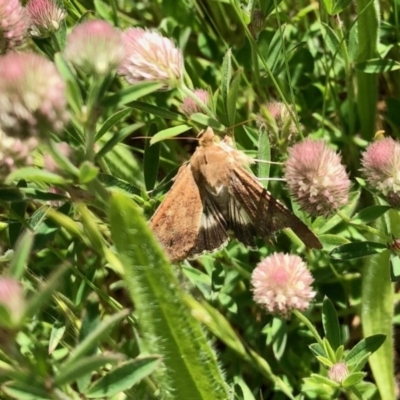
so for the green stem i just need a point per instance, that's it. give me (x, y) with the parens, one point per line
(310, 326)
(365, 228)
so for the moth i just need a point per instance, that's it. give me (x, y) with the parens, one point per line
(214, 195)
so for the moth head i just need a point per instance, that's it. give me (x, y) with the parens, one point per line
(207, 137)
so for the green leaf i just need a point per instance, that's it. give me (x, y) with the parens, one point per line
(328, 5)
(167, 326)
(340, 6)
(32, 174)
(369, 214)
(87, 172)
(84, 366)
(23, 391)
(151, 160)
(57, 333)
(92, 339)
(206, 120)
(45, 228)
(331, 39)
(74, 93)
(21, 256)
(324, 381)
(131, 93)
(112, 121)
(169, 133)
(113, 182)
(317, 350)
(155, 110)
(45, 291)
(331, 325)
(264, 154)
(357, 250)
(377, 66)
(366, 346)
(353, 379)
(232, 97)
(394, 267)
(17, 215)
(226, 76)
(123, 377)
(117, 138)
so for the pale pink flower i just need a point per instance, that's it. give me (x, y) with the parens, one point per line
(316, 177)
(13, 25)
(95, 47)
(381, 167)
(282, 283)
(189, 106)
(338, 372)
(32, 96)
(45, 16)
(12, 298)
(151, 57)
(14, 154)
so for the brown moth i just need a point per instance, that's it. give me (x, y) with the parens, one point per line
(215, 194)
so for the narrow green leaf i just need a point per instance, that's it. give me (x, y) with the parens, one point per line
(155, 110)
(340, 6)
(151, 160)
(112, 121)
(87, 172)
(331, 39)
(16, 217)
(84, 366)
(74, 93)
(353, 379)
(167, 326)
(377, 66)
(206, 120)
(32, 174)
(132, 93)
(169, 133)
(325, 381)
(331, 325)
(57, 333)
(93, 339)
(45, 291)
(264, 154)
(328, 5)
(118, 138)
(23, 391)
(123, 377)
(21, 256)
(112, 181)
(366, 346)
(226, 76)
(232, 97)
(394, 267)
(357, 250)
(317, 350)
(369, 214)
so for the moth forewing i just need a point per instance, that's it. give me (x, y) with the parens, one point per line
(215, 193)
(177, 220)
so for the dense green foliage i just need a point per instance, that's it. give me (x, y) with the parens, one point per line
(106, 314)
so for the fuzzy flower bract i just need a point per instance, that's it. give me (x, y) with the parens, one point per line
(282, 283)
(316, 178)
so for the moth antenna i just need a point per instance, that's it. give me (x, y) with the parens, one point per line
(272, 179)
(172, 138)
(268, 162)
